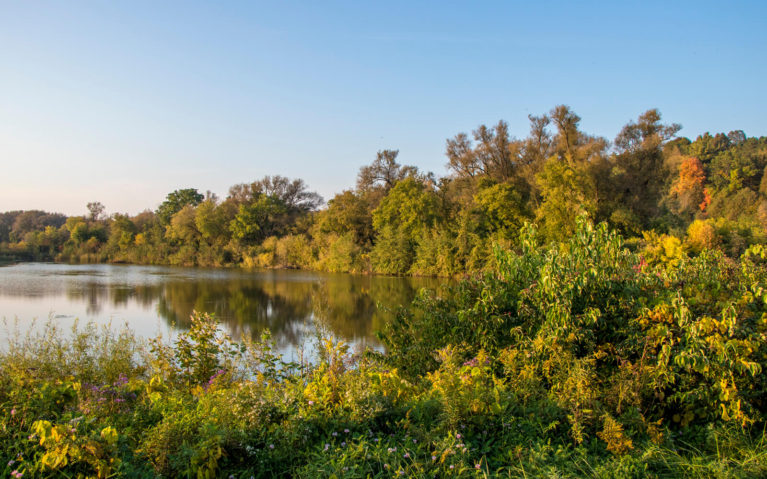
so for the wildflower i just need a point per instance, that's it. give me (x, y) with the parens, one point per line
(271, 446)
(452, 466)
(391, 449)
(406, 455)
(215, 375)
(327, 446)
(401, 472)
(311, 403)
(346, 431)
(386, 466)
(433, 458)
(476, 466)
(335, 434)
(11, 462)
(377, 439)
(458, 436)
(13, 412)
(415, 441)
(346, 469)
(16, 473)
(343, 443)
(231, 476)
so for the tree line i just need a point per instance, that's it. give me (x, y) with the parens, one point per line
(669, 196)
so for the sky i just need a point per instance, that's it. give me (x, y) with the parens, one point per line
(123, 102)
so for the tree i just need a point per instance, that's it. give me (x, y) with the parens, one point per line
(409, 206)
(688, 189)
(640, 169)
(212, 220)
(177, 200)
(647, 133)
(495, 155)
(258, 220)
(568, 192)
(182, 226)
(95, 210)
(348, 212)
(384, 172)
(502, 208)
(293, 194)
(402, 217)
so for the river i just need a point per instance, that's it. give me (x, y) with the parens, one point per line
(154, 300)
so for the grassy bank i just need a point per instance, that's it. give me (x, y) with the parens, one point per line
(576, 360)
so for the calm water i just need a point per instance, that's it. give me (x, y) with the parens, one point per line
(155, 299)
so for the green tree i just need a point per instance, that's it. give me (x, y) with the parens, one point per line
(258, 220)
(502, 208)
(212, 220)
(404, 214)
(348, 212)
(568, 192)
(183, 227)
(177, 200)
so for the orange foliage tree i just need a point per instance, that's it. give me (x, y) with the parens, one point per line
(688, 189)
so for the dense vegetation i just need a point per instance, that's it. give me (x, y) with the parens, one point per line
(578, 359)
(669, 196)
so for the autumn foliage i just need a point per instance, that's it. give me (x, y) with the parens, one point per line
(688, 189)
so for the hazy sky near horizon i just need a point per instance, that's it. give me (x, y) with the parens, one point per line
(123, 102)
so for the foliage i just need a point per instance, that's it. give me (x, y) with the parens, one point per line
(575, 359)
(175, 201)
(399, 220)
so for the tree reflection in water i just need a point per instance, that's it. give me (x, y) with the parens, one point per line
(291, 304)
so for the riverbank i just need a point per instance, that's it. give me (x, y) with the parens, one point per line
(576, 360)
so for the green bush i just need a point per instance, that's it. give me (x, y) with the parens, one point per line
(573, 360)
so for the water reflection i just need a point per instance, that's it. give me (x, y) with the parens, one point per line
(288, 303)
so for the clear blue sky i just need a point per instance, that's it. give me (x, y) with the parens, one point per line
(124, 101)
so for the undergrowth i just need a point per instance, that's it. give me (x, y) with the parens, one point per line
(576, 360)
